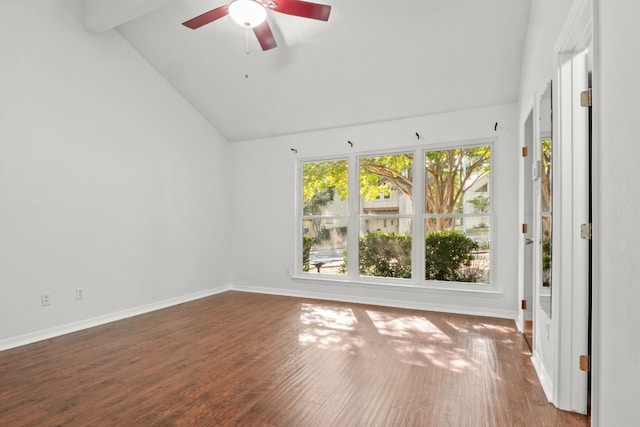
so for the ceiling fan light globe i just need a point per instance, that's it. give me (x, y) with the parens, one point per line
(248, 13)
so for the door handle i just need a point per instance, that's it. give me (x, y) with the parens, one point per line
(528, 241)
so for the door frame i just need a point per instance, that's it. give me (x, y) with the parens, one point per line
(571, 199)
(524, 202)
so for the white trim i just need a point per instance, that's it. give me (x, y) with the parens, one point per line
(397, 303)
(543, 376)
(596, 321)
(543, 324)
(297, 214)
(106, 318)
(353, 217)
(576, 32)
(523, 175)
(392, 282)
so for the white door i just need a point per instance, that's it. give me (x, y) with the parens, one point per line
(527, 240)
(573, 296)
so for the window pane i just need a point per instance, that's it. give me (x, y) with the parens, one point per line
(324, 246)
(546, 250)
(385, 253)
(386, 194)
(324, 188)
(459, 252)
(457, 181)
(386, 185)
(324, 220)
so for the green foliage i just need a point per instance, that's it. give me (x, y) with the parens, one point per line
(449, 255)
(448, 174)
(480, 203)
(379, 174)
(320, 177)
(314, 205)
(385, 254)
(447, 252)
(307, 244)
(546, 262)
(545, 149)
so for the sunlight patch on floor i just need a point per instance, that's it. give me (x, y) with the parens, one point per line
(328, 317)
(413, 338)
(406, 326)
(328, 327)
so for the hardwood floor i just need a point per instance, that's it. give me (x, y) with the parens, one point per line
(528, 333)
(258, 360)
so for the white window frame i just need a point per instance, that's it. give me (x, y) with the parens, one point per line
(419, 215)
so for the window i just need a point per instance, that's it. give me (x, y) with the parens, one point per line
(457, 214)
(546, 191)
(324, 216)
(384, 246)
(370, 209)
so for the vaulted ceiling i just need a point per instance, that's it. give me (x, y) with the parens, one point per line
(372, 61)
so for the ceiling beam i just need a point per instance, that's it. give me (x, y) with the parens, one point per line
(104, 15)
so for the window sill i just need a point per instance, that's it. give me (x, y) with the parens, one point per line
(483, 290)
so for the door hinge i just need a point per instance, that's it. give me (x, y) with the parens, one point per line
(586, 99)
(585, 231)
(525, 151)
(523, 304)
(525, 228)
(585, 363)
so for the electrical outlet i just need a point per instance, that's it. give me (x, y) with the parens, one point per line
(79, 293)
(45, 299)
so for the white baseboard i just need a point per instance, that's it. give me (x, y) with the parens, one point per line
(413, 305)
(520, 321)
(106, 318)
(545, 380)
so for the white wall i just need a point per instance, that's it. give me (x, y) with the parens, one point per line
(264, 207)
(617, 294)
(108, 179)
(545, 23)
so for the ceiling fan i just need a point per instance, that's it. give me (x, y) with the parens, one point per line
(253, 13)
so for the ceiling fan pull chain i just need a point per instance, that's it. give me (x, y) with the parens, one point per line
(246, 51)
(246, 40)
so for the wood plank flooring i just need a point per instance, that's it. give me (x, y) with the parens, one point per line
(241, 359)
(528, 333)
